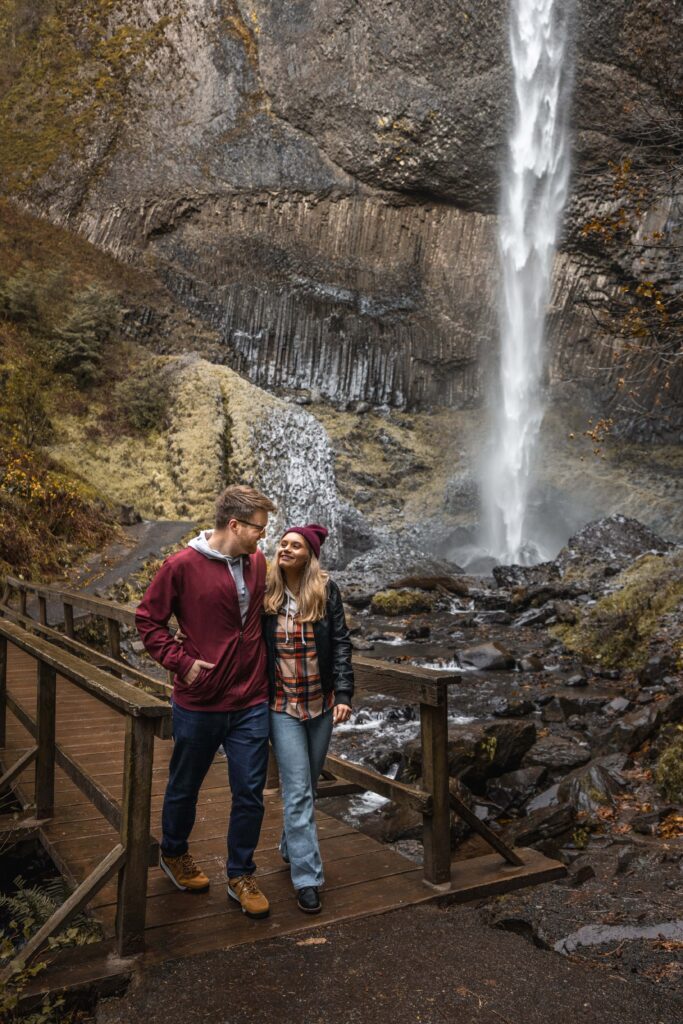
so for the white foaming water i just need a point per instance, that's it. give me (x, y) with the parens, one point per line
(533, 196)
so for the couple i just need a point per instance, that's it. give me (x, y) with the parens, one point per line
(261, 655)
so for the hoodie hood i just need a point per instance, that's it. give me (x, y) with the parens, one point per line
(200, 543)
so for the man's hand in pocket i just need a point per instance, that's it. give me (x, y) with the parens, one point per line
(195, 670)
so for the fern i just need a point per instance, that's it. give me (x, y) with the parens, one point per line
(31, 906)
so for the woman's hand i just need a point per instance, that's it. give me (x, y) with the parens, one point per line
(178, 636)
(340, 713)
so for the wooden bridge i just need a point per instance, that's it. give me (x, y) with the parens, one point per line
(85, 750)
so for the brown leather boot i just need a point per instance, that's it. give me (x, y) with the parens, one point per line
(247, 893)
(184, 873)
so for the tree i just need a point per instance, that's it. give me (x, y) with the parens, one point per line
(80, 339)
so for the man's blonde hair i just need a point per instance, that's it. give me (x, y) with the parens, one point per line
(239, 502)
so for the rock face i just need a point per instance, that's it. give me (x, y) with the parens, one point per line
(319, 181)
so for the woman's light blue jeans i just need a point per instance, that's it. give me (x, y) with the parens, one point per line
(300, 748)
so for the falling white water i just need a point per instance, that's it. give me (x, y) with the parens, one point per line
(533, 196)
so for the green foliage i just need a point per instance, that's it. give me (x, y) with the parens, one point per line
(26, 911)
(80, 338)
(22, 405)
(669, 774)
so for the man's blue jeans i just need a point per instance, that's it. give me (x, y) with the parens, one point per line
(300, 748)
(197, 736)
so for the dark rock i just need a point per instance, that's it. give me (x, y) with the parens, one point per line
(382, 758)
(581, 871)
(512, 790)
(617, 706)
(607, 673)
(126, 515)
(592, 786)
(497, 617)
(450, 584)
(581, 705)
(557, 753)
(530, 663)
(487, 657)
(418, 631)
(576, 680)
(359, 644)
(647, 823)
(625, 859)
(548, 798)
(615, 541)
(358, 598)
(502, 707)
(628, 732)
(552, 712)
(477, 751)
(541, 825)
(536, 596)
(533, 617)
(510, 576)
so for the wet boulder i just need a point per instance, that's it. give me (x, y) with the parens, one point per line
(488, 657)
(478, 751)
(512, 790)
(594, 785)
(544, 828)
(629, 731)
(441, 584)
(582, 705)
(506, 707)
(511, 576)
(557, 753)
(418, 631)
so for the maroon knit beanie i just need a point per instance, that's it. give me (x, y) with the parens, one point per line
(313, 533)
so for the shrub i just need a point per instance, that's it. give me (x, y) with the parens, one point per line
(669, 773)
(401, 602)
(82, 334)
(23, 406)
(141, 401)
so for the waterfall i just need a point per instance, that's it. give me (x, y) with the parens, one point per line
(533, 195)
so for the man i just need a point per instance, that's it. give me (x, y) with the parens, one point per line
(215, 589)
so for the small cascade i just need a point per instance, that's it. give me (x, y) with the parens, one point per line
(533, 196)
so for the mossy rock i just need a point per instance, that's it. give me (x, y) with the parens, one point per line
(669, 774)
(619, 629)
(402, 602)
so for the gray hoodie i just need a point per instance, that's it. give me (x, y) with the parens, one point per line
(200, 543)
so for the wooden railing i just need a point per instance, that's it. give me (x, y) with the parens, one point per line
(435, 798)
(146, 717)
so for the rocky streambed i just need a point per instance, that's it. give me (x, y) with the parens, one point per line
(564, 730)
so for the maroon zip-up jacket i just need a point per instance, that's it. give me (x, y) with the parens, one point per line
(201, 593)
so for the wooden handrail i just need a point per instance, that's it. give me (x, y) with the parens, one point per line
(145, 716)
(117, 694)
(95, 605)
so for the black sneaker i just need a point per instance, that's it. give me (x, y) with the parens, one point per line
(308, 900)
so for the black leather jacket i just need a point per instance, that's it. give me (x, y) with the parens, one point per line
(332, 644)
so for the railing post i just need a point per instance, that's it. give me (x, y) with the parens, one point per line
(131, 904)
(437, 825)
(114, 636)
(22, 601)
(69, 620)
(45, 741)
(42, 610)
(3, 691)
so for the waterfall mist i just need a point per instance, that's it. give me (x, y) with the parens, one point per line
(534, 190)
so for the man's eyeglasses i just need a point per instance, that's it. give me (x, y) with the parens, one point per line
(255, 526)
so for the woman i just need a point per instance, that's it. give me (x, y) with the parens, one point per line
(311, 686)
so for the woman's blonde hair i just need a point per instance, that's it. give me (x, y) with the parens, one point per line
(311, 600)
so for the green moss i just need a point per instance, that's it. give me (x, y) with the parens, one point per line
(669, 772)
(401, 602)
(617, 630)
